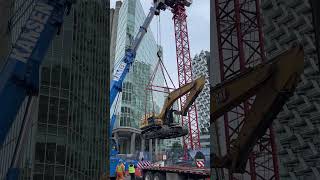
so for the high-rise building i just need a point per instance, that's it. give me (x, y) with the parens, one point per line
(114, 16)
(200, 66)
(134, 101)
(4, 36)
(69, 122)
(297, 125)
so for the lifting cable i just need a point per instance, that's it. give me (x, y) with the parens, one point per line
(156, 68)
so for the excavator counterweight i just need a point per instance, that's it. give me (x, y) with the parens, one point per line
(272, 84)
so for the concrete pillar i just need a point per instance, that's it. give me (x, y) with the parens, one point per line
(116, 137)
(156, 150)
(127, 144)
(143, 144)
(133, 143)
(150, 148)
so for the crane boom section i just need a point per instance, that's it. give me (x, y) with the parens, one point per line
(271, 84)
(19, 77)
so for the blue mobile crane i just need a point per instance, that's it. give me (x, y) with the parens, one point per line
(121, 72)
(19, 78)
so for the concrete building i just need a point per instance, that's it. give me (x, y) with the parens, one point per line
(114, 16)
(67, 136)
(200, 68)
(205, 140)
(297, 126)
(134, 101)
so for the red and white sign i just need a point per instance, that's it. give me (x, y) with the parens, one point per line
(200, 163)
(164, 157)
(143, 164)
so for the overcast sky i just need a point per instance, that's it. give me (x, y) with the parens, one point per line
(198, 28)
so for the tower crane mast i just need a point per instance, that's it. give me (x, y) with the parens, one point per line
(192, 140)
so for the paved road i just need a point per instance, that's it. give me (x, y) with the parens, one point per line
(128, 178)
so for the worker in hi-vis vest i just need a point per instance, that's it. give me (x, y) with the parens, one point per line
(120, 171)
(132, 171)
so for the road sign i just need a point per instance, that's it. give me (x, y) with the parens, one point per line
(200, 163)
(164, 157)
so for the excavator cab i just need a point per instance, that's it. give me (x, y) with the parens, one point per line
(170, 119)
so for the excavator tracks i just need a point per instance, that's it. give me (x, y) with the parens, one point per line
(166, 132)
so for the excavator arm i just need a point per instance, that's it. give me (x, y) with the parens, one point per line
(271, 84)
(194, 87)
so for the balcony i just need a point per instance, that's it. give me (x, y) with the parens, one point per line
(298, 123)
(265, 5)
(306, 107)
(304, 86)
(294, 100)
(316, 172)
(290, 36)
(283, 115)
(314, 94)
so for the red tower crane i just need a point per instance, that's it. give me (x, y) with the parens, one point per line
(192, 140)
(240, 45)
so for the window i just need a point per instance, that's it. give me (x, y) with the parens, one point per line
(43, 109)
(61, 154)
(39, 154)
(53, 113)
(63, 112)
(65, 74)
(55, 78)
(49, 172)
(50, 153)
(45, 76)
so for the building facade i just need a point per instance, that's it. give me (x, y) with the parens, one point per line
(114, 16)
(200, 66)
(67, 138)
(297, 125)
(134, 101)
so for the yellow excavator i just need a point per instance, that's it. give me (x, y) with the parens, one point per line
(162, 125)
(272, 83)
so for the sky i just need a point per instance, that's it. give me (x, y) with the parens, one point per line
(198, 27)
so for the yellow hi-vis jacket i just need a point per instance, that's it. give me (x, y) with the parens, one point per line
(131, 169)
(120, 168)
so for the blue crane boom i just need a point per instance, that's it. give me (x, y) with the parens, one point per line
(127, 60)
(19, 78)
(121, 73)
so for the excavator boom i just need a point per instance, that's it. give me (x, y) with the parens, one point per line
(271, 84)
(194, 87)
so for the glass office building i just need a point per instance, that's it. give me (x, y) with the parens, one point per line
(69, 123)
(134, 101)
